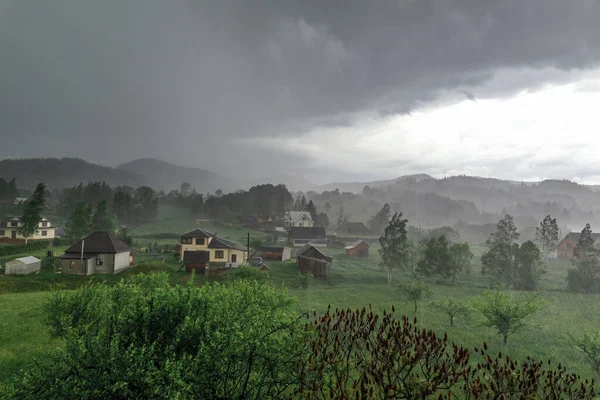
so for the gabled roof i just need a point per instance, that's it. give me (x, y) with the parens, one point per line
(315, 232)
(220, 243)
(574, 236)
(196, 257)
(27, 260)
(298, 215)
(355, 244)
(197, 233)
(354, 225)
(4, 222)
(99, 242)
(309, 246)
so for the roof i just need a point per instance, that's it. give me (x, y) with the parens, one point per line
(198, 233)
(354, 225)
(196, 257)
(297, 215)
(307, 247)
(4, 222)
(27, 260)
(574, 236)
(355, 244)
(220, 243)
(99, 242)
(315, 232)
(272, 249)
(75, 256)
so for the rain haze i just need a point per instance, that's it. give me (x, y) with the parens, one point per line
(326, 90)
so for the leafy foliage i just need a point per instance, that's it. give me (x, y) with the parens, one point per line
(415, 292)
(379, 221)
(451, 307)
(33, 212)
(589, 345)
(303, 281)
(395, 245)
(79, 224)
(505, 313)
(101, 220)
(143, 338)
(585, 274)
(547, 235)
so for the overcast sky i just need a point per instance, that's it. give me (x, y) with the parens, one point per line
(330, 90)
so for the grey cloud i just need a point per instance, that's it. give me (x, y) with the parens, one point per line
(113, 80)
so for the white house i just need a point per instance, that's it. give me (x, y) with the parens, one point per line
(299, 219)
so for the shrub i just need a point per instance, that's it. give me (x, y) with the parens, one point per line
(23, 248)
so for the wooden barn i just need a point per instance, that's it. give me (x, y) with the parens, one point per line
(358, 249)
(311, 260)
(299, 236)
(275, 253)
(354, 228)
(196, 260)
(564, 250)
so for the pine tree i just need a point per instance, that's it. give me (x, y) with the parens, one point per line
(33, 212)
(102, 221)
(312, 209)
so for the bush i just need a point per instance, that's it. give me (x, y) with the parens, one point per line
(23, 248)
(144, 339)
(303, 281)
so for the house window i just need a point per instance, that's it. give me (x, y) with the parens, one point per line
(44, 224)
(14, 224)
(200, 241)
(99, 262)
(44, 233)
(73, 264)
(2, 233)
(186, 241)
(219, 254)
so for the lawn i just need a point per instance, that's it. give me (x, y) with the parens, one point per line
(353, 283)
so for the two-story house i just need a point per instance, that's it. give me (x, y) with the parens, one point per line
(299, 219)
(9, 231)
(214, 251)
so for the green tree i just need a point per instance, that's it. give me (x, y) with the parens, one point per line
(185, 189)
(303, 281)
(507, 313)
(529, 266)
(312, 209)
(79, 223)
(585, 274)
(589, 345)
(322, 220)
(547, 235)
(414, 292)
(499, 260)
(395, 246)
(33, 212)
(125, 236)
(378, 222)
(12, 190)
(435, 257)
(101, 220)
(460, 259)
(451, 307)
(3, 189)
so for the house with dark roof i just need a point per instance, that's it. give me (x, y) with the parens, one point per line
(299, 236)
(357, 249)
(98, 253)
(353, 228)
(9, 231)
(564, 250)
(311, 260)
(219, 252)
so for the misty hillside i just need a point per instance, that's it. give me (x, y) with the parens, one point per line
(58, 173)
(163, 175)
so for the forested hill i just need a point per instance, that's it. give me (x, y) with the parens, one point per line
(166, 176)
(58, 173)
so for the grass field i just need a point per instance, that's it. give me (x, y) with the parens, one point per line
(353, 283)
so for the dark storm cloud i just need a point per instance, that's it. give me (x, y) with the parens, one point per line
(114, 80)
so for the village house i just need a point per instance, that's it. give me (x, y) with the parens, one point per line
(564, 250)
(358, 249)
(310, 260)
(353, 228)
(217, 252)
(98, 253)
(299, 236)
(9, 231)
(301, 219)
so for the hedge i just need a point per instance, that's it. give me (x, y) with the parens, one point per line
(23, 248)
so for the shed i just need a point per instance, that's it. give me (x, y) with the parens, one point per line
(100, 252)
(23, 266)
(275, 253)
(310, 259)
(358, 249)
(196, 260)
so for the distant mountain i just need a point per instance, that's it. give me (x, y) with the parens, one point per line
(58, 173)
(163, 175)
(357, 187)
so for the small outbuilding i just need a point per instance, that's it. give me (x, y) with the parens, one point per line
(196, 260)
(358, 249)
(23, 266)
(354, 228)
(311, 260)
(275, 253)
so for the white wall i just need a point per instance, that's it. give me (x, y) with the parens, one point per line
(121, 261)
